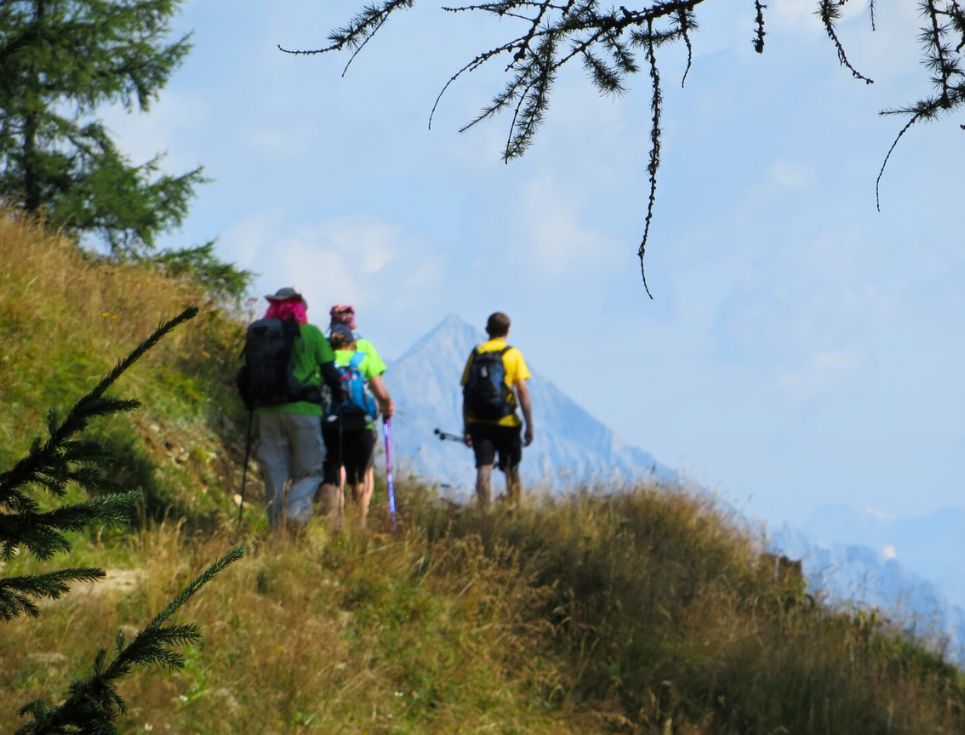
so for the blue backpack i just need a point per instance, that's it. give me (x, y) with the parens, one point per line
(360, 408)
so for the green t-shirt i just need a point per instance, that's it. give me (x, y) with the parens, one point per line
(311, 350)
(376, 364)
(370, 367)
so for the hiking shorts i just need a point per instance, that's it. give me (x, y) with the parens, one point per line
(488, 440)
(357, 453)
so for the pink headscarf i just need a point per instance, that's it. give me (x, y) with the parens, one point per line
(288, 309)
(343, 314)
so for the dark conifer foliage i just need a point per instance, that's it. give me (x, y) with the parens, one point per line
(52, 465)
(607, 39)
(94, 703)
(59, 61)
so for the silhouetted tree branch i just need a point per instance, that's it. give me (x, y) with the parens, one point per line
(94, 703)
(606, 40)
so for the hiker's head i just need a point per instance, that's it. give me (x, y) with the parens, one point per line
(343, 314)
(341, 337)
(497, 325)
(287, 303)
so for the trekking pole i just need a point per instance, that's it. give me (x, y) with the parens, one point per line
(446, 436)
(389, 484)
(244, 470)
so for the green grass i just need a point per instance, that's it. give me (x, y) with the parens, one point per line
(644, 611)
(66, 319)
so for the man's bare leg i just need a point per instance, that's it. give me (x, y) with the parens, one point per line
(484, 486)
(333, 503)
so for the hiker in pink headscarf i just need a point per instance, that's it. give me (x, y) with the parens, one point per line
(292, 308)
(286, 360)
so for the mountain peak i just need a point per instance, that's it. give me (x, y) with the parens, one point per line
(452, 335)
(572, 448)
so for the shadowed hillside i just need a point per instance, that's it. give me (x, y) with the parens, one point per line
(66, 318)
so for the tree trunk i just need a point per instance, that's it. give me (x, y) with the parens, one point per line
(31, 184)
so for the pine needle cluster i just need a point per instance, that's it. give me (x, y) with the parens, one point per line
(607, 41)
(54, 465)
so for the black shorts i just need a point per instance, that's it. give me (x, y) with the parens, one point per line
(356, 453)
(488, 440)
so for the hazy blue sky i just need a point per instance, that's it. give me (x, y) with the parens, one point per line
(802, 348)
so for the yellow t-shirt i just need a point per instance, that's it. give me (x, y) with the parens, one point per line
(516, 370)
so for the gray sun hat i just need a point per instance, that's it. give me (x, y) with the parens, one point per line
(341, 334)
(285, 294)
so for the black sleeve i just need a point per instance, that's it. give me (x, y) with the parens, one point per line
(244, 388)
(333, 379)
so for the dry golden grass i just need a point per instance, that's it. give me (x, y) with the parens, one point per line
(346, 634)
(66, 318)
(645, 611)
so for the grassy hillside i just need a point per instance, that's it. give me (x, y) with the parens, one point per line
(648, 611)
(65, 320)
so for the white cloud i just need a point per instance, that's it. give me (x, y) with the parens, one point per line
(425, 275)
(789, 174)
(339, 261)
(165, 129)
(556, 240)
(288, 142)
(823, 372)
(877, 514)
(247, 238)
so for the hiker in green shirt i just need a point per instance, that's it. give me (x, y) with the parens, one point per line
(348, 426)
(345, 314)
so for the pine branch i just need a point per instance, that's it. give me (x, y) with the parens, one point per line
(94, 703)
(555, 33)
(44, 464)
(830, 12)
(656, 101)
(16, 592)
(358, 32)
(42, 533)
(759, 26)
(687, 25)
(53, 465)
(949, 79)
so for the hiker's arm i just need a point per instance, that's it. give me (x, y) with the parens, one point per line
(381, 394)
(332, 379)
(465, 424)
(522, 393)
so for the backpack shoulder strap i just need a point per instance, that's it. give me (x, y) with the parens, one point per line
(357, 359)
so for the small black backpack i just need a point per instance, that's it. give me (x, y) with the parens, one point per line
(485, 393)
(267, 377)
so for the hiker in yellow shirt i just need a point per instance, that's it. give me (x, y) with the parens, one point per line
(494, 385)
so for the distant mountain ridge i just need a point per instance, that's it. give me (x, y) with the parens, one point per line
(932, 544)
(859, 575)
(571, 448)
